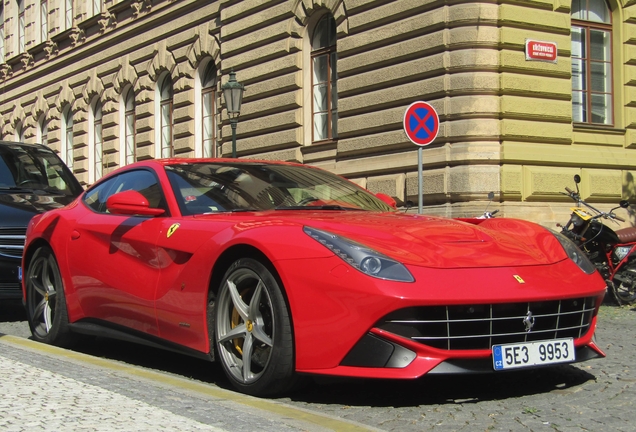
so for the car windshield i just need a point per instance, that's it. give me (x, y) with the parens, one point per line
(24, 167)
(220, 187)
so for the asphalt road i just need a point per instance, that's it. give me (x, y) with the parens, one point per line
(591, 396)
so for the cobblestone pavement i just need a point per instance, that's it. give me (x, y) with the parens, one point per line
(43, 389)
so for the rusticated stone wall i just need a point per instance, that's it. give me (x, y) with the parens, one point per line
(506, 123)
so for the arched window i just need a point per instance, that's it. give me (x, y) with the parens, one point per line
(96, 142)
(21, 25)
(592, 86)
(205, 115)
(19, 132)
(67, 136)
(128, 129)
(165, 117)
(324, 80)
(43, 131)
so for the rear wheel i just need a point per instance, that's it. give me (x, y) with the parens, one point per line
(254, 338)
(45, 300)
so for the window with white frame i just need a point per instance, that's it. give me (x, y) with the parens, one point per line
(21, 25)
(43, 131)
(67, 17)
(97, 142)
(19, 132)
(165, 116)
(592, 87)
(67, 136)
(2, 60)
(98, 6)
(44, 20)
(128, 130)
(324, 80)
(207, 117)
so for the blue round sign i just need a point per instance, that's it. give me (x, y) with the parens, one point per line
(421, 123)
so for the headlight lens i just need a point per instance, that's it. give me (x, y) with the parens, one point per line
(361, 257)
(575, 253)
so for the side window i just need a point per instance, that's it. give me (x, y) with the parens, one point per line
(142, 181)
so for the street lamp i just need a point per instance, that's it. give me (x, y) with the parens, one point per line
(233, 94)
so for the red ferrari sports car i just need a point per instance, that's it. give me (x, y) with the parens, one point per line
(278, 270)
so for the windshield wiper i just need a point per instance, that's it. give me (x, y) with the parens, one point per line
(321, 207)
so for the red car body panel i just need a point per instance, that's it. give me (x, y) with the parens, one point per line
(152, 275)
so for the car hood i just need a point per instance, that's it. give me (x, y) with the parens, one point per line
(441, 242)
(17, 208)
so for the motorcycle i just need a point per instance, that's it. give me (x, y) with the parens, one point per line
(487, 214)
(612, 252)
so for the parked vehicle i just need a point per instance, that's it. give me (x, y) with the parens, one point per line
(278, 269)
(33, 179)
(486, 214)
(613, 252)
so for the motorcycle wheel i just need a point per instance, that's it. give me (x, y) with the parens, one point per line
(624, 294)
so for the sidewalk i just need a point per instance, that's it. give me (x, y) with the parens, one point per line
(48, 388)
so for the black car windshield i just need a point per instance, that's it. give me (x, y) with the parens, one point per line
(28, 167)
(209, 187)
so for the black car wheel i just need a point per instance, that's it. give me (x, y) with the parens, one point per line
(254, 339)
(45, 301)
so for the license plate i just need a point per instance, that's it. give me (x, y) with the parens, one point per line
(528, 354)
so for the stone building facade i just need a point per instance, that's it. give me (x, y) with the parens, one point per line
(328, 82)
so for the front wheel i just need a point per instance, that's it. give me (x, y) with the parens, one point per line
(624, 292)
(254, 338)
(45, 300)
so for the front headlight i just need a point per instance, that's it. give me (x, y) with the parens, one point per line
(574, 253)
(361, 257)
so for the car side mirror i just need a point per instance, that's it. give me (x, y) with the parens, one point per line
(131, 203)
(386, 199)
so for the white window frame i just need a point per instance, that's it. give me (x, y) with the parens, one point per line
(95, 141)
(199, 117)
(124, 133)
(42, 134)
(161, 149)
(66, 147)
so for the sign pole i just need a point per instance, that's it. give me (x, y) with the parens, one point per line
(420, 181)
(421, 125)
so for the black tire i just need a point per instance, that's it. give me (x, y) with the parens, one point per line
(45, 300)
(251, 319)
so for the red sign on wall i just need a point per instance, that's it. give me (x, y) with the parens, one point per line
(541, 51)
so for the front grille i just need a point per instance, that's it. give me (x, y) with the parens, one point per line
(12, 241)
(481, 326)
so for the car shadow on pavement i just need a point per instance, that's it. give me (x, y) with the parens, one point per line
(439, 389)
(442, 389)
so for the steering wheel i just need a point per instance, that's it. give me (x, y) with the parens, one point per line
(23, 182)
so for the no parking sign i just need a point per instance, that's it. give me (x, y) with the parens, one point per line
(421, 123)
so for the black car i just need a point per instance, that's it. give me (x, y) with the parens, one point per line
(33, 179)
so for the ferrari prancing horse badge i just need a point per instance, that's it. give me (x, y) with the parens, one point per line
(172, 229)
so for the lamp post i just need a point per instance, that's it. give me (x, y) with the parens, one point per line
(233, 94)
